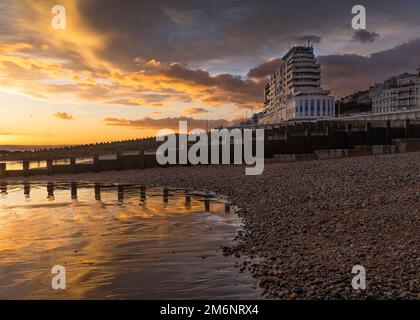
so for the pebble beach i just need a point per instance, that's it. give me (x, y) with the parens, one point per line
(306, 224)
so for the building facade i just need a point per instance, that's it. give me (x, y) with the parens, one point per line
(398, 93)
(294, 91)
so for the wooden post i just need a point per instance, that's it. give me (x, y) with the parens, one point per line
(141, 158)
(368, 131)
(27, 190)
(119, 160)
(187, 199)
(50, 169)
(25, 165)
(2, 170)
(120, 190)
(97, 192)
(143, 194)
(50, 189)
(349, 129)
(96, 166)
(206, 204)
(165, 195)
(73, 166)
(388, 131)
(407, 129)
(73, 190)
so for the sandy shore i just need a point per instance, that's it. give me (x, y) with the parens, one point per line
(307, 224)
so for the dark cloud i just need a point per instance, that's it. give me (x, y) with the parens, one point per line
(165, 123)
(365, 36)
(350, 72)
(221, 88)
(198, 31)
(264, 69)
(197, 76)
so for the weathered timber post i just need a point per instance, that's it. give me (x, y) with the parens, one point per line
(73, 167)
(96, 165)
(97, 191)
(27, 190)
(165, 195)
(368, 131)
(206, 204)
(407, 129)
(119, 159)
(50, 190)
(388, 131)
(73, 190)
(141, 158)
(120, 190)
(50, 169)
(143, 193)
(2, 170)
(349, 129)
(25, 165)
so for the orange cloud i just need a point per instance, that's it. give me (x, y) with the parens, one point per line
(63, 116)
(194, 110)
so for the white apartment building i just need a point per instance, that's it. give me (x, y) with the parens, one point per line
(294, 91)
(397, 93)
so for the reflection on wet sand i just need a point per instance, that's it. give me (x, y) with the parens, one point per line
(112, 247)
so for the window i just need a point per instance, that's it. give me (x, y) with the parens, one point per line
(306, 108)
(318, 107)
(312, 108)
(324, 108)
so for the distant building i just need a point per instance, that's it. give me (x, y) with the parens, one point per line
(294, 91)
(360, 101)
(397, 93)
(359, 97)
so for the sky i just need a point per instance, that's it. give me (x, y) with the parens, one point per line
(125, 69)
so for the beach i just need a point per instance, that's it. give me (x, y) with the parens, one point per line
(307, 224)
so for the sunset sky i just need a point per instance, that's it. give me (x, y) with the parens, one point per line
(124, 69)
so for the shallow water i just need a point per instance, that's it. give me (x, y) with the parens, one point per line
(122, 242)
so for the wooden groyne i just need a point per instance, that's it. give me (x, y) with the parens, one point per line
(121, 162)
(298, 141)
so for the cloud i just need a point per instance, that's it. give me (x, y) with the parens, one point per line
(160, 54)
(187, 31)
(347, 73)
(194, 110)
(63, 116)
(183, 18)
(165, 123)
(264, 69)
(365, 36)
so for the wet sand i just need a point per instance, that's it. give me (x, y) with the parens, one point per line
(122, 242)
(307, 224)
